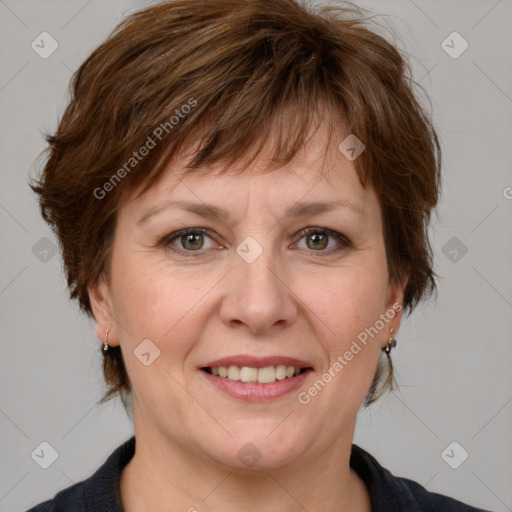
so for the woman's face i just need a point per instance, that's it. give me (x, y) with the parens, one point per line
(248, 288)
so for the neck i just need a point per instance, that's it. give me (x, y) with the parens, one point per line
(163, 472)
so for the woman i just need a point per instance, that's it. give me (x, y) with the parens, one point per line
(242, 192)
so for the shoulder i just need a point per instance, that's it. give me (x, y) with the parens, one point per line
(70, 499)
(98, 492)
(390, 493)
(434, 502)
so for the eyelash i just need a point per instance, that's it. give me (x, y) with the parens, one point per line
(167, 240)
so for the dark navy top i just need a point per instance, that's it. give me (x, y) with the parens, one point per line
(388, 493)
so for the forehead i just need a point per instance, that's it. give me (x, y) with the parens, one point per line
(319, 172)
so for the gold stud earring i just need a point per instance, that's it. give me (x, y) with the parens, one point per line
(105, 344)
(391, 342)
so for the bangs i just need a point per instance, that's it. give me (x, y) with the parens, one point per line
(232, 123)
(280, 136)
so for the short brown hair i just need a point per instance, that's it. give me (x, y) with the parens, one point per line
(238, 64)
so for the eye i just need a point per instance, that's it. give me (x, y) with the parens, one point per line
(190, 240)
(317, 239)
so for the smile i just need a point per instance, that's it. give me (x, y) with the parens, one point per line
(256, 378)
(265, 375)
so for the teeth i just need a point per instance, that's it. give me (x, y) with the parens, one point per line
(234, 373)
(281, 372)
(248, 374)
(261, 375)
(266, 375)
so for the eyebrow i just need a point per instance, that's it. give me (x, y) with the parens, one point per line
(210, 211)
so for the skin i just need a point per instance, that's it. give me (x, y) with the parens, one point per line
(296, 299)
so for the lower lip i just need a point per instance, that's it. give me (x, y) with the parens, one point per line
(255, 392)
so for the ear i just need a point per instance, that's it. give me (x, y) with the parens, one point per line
(395, 302)
(101, 305)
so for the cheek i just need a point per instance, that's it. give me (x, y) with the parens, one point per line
(153, 301)
(166, 308)
(347, 301)
(346, 309)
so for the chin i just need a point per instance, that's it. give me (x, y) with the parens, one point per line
(259, 448)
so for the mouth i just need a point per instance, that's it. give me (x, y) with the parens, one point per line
(251, 374)
(256, 379)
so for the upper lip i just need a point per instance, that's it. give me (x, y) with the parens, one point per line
(257, 362)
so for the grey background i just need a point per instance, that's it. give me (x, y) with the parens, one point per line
(453, 357)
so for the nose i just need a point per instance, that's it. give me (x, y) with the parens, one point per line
(258, 296)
